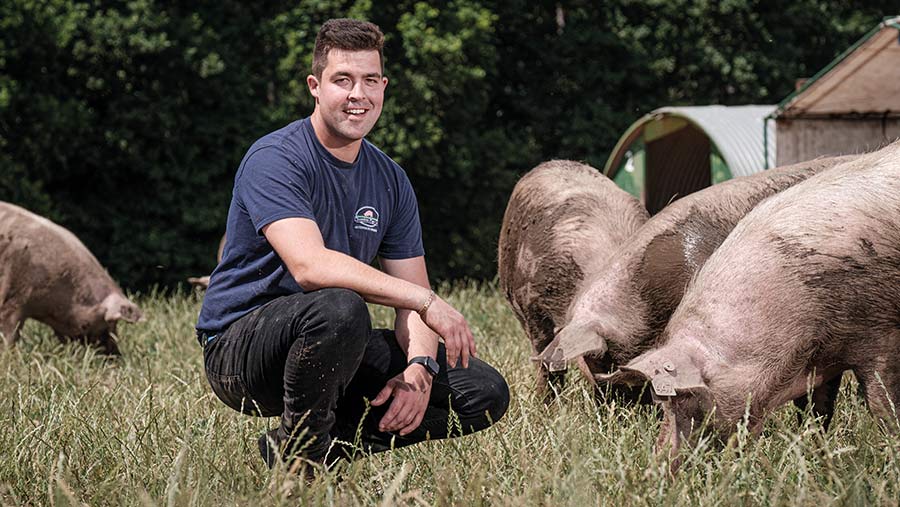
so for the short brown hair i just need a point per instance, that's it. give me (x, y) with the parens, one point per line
(348, 35)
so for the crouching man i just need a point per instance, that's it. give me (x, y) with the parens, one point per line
(284, 325)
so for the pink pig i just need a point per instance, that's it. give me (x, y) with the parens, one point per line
(622, 309)
(47, 274)
(806, 287)
(564, 219)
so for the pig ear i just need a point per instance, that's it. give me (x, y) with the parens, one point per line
(623, 376)
(670, 373)
(571, 342)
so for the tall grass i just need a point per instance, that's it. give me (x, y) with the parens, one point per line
(146, 430)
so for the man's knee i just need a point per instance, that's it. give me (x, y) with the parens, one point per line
(497, 394)
(344, 312)
(490, 399)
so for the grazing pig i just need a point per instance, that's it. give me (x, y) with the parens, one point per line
(47, 274)
(563, 220)
(624, 307)
(805, 287)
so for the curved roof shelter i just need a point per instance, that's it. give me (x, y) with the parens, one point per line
(674, 151)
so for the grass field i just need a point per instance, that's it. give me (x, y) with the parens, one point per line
(146, 430)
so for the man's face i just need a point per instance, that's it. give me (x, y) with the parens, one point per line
(349, 95)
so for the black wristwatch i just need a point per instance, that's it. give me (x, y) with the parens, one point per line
(431, 366)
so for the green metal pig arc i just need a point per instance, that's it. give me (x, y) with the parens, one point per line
(674, 151)
(851, 106)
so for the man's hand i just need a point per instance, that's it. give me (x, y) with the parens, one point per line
(453, 328)
(440, 317)
(411, 390)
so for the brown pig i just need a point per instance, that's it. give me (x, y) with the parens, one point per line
(47, 274)
(623, 308)
(563, 219)
(805, 287)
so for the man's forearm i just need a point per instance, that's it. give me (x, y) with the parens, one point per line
(373, 285)
(415, 338)
(299, 243)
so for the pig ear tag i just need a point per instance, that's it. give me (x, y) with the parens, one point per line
(663, 383)
(665, 379)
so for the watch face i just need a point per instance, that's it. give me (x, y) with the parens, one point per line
(430, 364)
(433, 366)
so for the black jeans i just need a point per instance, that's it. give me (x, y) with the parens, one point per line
(314, 359)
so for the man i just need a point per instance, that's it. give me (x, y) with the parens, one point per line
(284, 325)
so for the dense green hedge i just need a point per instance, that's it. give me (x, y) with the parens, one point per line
(125, 120)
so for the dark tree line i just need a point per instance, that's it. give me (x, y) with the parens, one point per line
(125, 121)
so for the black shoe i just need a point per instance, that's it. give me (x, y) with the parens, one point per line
(266, 449)
(269, 455)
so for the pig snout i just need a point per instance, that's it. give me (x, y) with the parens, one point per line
(200, 282)
(117, 307)
(131, 313)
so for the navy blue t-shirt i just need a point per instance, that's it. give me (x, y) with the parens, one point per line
(363, 209)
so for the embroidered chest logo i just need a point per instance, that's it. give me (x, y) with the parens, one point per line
(366, 219)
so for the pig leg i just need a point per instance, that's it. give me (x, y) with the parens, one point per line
(11, 318)
(881, 388)
(823, 400)
(548, 382)
(104, 343)
(10, 323)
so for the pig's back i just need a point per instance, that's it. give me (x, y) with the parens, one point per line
(818, 259)
(695, 225)
(665, 254)
(850, 211)
(42, 253)
(563, 218)
(567, 206)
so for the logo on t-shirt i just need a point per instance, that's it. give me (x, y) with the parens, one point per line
(366, 219)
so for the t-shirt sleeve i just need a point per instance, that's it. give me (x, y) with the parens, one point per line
(403, 239)
(271, 187)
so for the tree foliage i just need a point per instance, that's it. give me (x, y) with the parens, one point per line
(125, 120)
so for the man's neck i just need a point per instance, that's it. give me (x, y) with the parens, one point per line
(343, 150)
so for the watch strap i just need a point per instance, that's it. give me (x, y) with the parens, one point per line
(431, 366)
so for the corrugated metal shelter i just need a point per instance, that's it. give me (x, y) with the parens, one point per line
(674, 151)
(850, 106)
